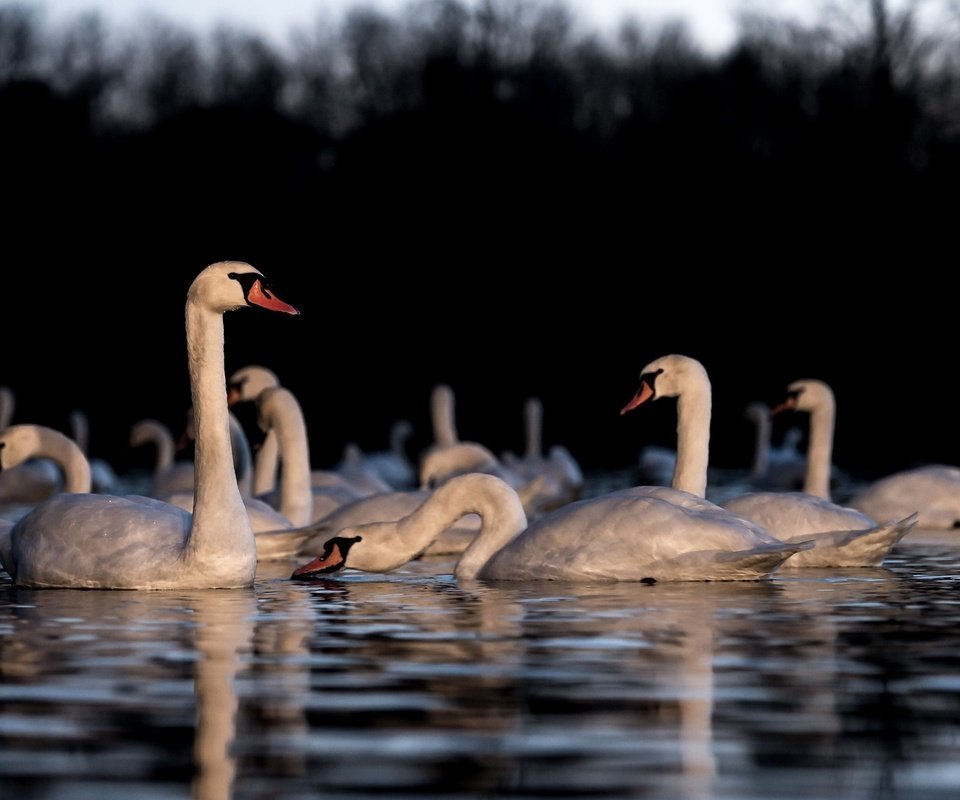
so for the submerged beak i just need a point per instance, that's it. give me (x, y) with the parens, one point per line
(334, 558)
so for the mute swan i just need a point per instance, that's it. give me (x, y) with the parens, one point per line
(98, 541)
(650, 533)
(858, 540)
(933, 491)
(244, 386)
(393, 465)
(249, 384)
(168, 476)
(772, 467)
(558, 466)
(19, 443)
(102, 474)
(32, 481)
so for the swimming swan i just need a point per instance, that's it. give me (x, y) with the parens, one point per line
(98, 541)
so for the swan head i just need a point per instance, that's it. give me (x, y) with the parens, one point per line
(806, 395)
(228, 285)
(667, 376)
(18, 443)
(247, 383)
(333, 558)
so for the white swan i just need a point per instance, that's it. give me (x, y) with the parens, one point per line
(168, 476)
(244, 386)
(392, 465)
(98, 541)
(103, 476)
(650, 533)
(773, 467)
(249, 384)
(559, 466)
(20, 443)
(857, 539)
(32, 481)
(932, 491)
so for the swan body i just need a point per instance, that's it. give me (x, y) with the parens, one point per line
(642, 534)
(99, 541)
(665, 536)
(393, 465)
(932, 490)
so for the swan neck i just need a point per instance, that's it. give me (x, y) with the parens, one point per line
(501, 514)
(693, 439)
(761, 449)
(820, 449)
(166, 448)
(442, 417)
(220, 524)
(266, 465)
(68, 455)
(534, 430)
(282, 414)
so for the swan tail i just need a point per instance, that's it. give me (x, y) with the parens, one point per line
(854, 548)
(757, 562)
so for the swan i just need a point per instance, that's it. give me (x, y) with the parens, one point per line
(22, 442)
(559, 465)
(392, 465)
(98, 541)
(650, 533)
(858, 539)
(932, 491)
(244, 386)
(249, 384)
(32, 481)
(772, 467)
(102, 474)
(168, 476)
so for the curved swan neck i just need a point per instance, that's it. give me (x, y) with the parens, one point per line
(280, 412)
(67, 453)
(266, 464)
(693, 438)
(820, 448)
(80, 427)
(166, 448)
(242, 457)
(220, 523)
(501, 513)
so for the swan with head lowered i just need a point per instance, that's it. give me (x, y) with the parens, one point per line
(650, 533)
(857, 539)
(98, 541)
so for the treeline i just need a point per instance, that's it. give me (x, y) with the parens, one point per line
(479, 154)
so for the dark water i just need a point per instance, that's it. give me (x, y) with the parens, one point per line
(842, 684)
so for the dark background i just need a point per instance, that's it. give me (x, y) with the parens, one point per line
(506, 204)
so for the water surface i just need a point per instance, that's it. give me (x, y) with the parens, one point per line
(817, 684)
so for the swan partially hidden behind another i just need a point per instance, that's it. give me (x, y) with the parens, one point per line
(649, 534)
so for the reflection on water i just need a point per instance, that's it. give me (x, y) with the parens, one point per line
(839, 684)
